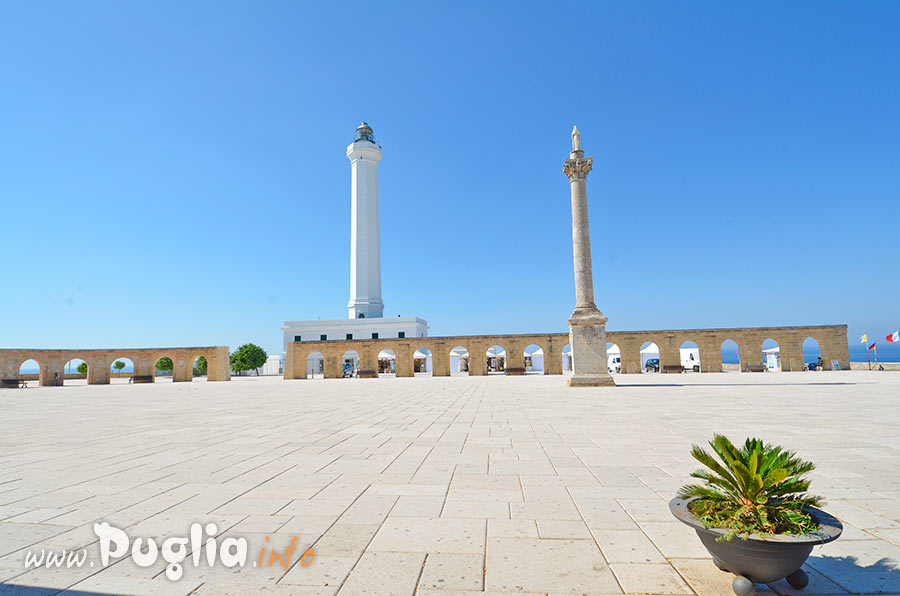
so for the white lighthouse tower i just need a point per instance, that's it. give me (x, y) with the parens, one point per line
(365, 244)
(366, 318)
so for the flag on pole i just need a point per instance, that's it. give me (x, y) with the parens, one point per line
(864, 338)
(894, 337)
(872, 347)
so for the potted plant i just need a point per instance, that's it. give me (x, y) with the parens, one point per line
(753, 514)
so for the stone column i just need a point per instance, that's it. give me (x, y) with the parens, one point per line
(218, 364)
(553, 357)
(404, 354)
(52, 372)
(183, 371)
(288, 362)
(440, 359)
(477, 358)
(587, 325)
(98, 371)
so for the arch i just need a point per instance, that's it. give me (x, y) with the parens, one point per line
(199, 367)
(29, 371)
(164, 368)
(350, 364)
(496, 359)
(459, 361)
(123, 373)
(534, 359)
(690, 356)
(423, 362)
(650, 355)
(812, 352)
(613, 357)
(75, 372)
(567, 363)
(387, 363)
(315, 365)
(771, 354)
(731, 355)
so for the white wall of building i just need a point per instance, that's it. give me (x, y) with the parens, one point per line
(337, 329)
(273, 366)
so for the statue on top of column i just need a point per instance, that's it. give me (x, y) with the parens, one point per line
(576, 139)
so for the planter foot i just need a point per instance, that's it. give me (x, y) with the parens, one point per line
(798, 579)
(743, 586)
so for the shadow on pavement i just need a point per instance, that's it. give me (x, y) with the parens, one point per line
(881, 577)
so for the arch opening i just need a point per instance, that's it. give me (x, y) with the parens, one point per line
(121, 370)
(423, 362)
(812, 354)
(567, 363)
(75, 372)
(30, 373)
(771, 355)
(496, 360)
(315, 365)
(350, 364)
(534, 359)
(613, 358)
(164, 369)
(199, 368)
(731, 356)
(387, 363)
(459, 361)
(690, 356)
(649, 357)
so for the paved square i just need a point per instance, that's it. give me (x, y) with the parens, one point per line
(433, 486)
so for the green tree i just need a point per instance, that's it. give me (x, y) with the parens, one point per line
(201, 366)
(82, 368)
(248, 357)
(118, 365)
(165, 363)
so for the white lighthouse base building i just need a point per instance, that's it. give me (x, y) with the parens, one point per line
(342, 329)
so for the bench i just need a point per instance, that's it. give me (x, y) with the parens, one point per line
(757, 368)
(672, 368)
(13, 383)
(141, 379)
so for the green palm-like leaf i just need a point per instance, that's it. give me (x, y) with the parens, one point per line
(755, 488)
(710, 462)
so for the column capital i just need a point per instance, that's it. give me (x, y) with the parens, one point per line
(577, 168)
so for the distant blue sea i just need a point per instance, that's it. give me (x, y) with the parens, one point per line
(886, 353)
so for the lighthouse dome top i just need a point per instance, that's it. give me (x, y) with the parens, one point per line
(364, 133)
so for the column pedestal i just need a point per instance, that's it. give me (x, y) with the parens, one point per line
(587, 336)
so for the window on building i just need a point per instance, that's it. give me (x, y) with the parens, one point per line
(349, 336)
(323, 337)
(296, 338)
(402, 334)
(374, 336)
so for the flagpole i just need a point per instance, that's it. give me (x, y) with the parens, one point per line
(868, 361)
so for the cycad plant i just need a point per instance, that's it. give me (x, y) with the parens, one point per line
(758, 488)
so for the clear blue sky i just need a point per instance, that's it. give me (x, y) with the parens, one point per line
(174, 173)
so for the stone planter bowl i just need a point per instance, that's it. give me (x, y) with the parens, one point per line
(756, 558)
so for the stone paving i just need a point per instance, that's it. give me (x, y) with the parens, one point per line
(437, 486)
